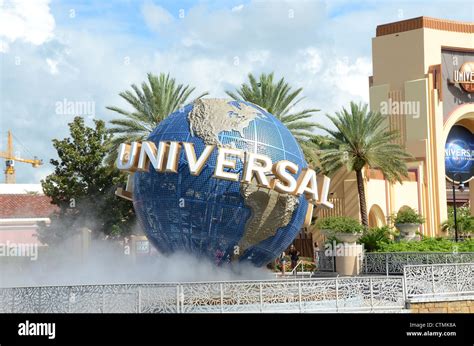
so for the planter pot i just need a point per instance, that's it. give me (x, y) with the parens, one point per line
(407, 230)
(342, 237)
(348, 263)
(350, 238)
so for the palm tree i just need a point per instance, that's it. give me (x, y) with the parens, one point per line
(151, 104)
(362, 140)
(278, 98)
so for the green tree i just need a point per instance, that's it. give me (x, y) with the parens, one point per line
(151, 103)
(83, 187)
(362, 139)
(279, 98)
(464, 220)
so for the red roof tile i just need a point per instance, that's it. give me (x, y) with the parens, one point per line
(23, 206)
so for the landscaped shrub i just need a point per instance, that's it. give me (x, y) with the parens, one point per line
(427, 245)
(373, 238)
(340, 224)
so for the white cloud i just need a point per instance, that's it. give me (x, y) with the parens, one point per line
(258, 56)
(30, 21)
(192, 40)
(53, 65)
(206, 73)
(311, 61)
(156, 17)
(351, 78)
(3, 46)
(237, 8)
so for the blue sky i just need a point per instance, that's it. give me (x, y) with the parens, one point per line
(89, 51)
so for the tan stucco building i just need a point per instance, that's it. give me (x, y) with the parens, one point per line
(415, 62)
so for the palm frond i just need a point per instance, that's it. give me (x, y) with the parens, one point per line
(153, 101)
(361, 139)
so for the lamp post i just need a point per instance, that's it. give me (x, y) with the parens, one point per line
(461, 188)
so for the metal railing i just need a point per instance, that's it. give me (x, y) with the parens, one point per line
(295, 269)
(339, 294)
(308, 295)
(293, 272)
(326, 263)
(393, 262)
(439, 280)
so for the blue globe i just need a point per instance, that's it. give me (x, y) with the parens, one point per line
(219, 219)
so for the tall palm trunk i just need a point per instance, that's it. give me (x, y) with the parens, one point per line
(362, 203)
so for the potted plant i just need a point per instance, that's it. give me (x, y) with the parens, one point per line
(407, 221)
(348, 231)
(345, 229)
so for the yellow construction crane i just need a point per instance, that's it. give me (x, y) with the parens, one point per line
(10, 161)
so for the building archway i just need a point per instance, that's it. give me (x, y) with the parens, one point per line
(376, 216)
(463, 115)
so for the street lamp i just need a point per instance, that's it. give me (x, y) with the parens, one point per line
(461, 188)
